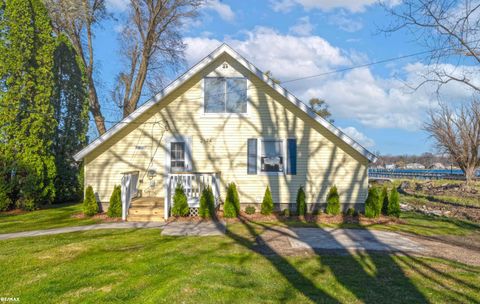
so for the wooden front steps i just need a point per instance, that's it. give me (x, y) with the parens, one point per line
(146, 209)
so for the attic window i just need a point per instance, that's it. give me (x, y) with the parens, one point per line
(225, 95)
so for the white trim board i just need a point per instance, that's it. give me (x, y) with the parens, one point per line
(224, 48)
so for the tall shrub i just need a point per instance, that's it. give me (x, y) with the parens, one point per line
(180, 202)
(207, 204)
(301, 204)
(27, 121)
(5, 201)
(267, 203)
(232, 202)
(333, 201)
(394, 203)
(90, 206)
(384, 201)
(70, 108)
(115, 206)
(373, 204)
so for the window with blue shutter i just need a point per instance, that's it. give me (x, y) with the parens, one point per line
(252, 156)
(292, 156)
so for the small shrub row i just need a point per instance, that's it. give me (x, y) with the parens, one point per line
(180, 202)
(382, 203)
(207, 204)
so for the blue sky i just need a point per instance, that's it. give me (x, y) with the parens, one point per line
(295, 38)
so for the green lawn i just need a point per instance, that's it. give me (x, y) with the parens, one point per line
(55, 216)
(411, 222)
(140, 266)
(421, 198)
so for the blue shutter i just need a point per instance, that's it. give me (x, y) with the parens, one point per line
(252, 156)
(292, 156)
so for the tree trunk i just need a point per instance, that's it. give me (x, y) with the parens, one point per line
(95, 107)
(469, 174)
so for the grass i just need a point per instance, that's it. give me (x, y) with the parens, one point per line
(55, 216)
(140, 266)
(420, 197)
(411, 222)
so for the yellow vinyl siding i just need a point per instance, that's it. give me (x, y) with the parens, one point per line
(219, 143)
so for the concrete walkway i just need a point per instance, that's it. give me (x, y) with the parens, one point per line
(118, 225)
(206, 228)
(284, 240)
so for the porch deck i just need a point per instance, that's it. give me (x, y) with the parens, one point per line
(146, 209)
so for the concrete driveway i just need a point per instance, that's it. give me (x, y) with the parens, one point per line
(282, 240)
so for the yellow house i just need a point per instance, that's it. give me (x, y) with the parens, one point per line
(224, 121)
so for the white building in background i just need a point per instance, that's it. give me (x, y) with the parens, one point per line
(414, 166)
(437, 166)
(390, 166)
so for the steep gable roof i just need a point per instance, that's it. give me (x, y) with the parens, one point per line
(224, 48)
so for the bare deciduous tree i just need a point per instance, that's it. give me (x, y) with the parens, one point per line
(75, 19)
(450, 29)
(151, 44)
(457, 132)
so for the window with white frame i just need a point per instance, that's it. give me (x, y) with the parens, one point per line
(177, 156)
(225, 95)
(272, 158)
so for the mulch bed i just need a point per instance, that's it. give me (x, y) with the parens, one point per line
(14, 212)
(277, 217)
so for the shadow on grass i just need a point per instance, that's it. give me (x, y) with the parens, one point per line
(348, 269)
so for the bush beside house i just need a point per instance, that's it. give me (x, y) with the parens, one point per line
(384, 201)
(333, 202)
(394, 203)
(207, 204)
(90, 206)
(231, 208)
(250, 210)
(301, 204)
(373, 204)
(115, 206)
(180, 202)
(267, 203)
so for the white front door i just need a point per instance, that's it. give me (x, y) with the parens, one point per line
(178, 155)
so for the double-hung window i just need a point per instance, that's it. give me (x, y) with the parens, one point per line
(272, 158)
(225, 95)
(275, 156)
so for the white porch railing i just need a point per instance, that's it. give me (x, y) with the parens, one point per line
(193, 183)
(129, 190)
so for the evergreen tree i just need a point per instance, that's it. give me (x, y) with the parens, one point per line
(26, 114)
(90, 205)
(267, 203)
(384, 201)
(301, 204)
(231, 208)
(394, 203)
(115, 206)
(373, 204)
(70, 105)
(333, 201)
(180, 202)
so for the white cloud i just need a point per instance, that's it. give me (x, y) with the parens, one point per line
(380, 102)
(344, 22)
(117, 5)
(223, 10)
(359, 137)
(354, 6)
(286, 56)
(303, 27)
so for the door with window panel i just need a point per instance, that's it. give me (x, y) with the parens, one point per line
(177, 157)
